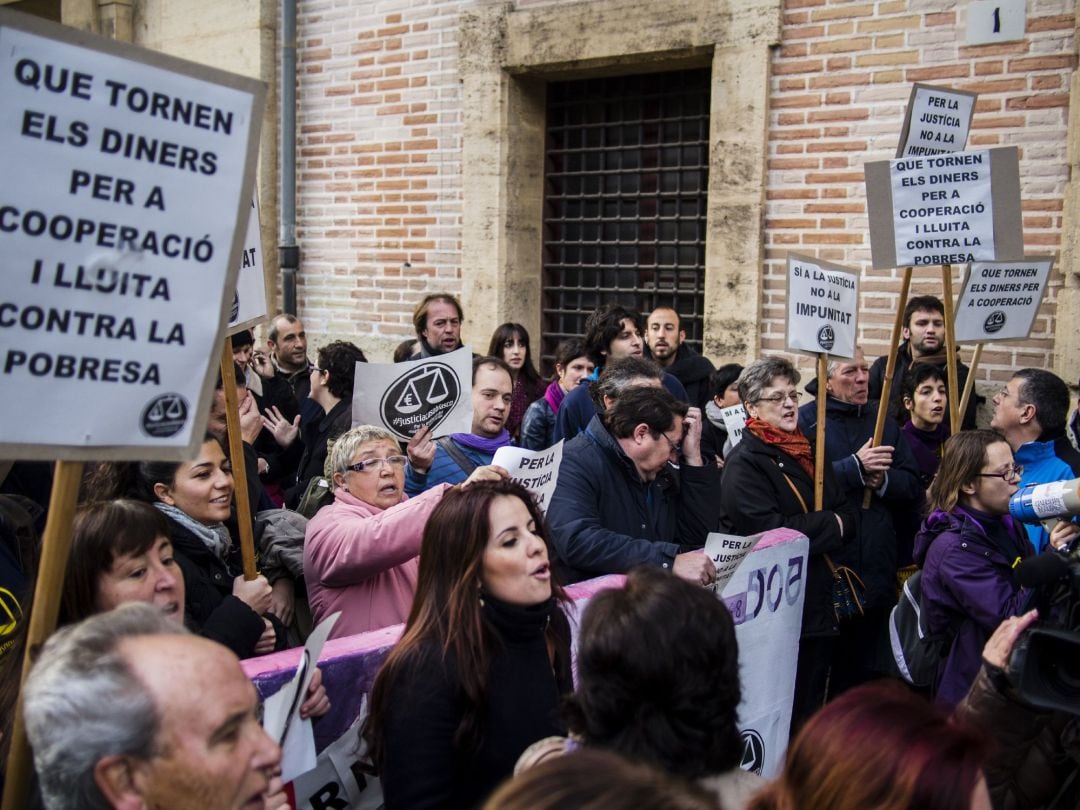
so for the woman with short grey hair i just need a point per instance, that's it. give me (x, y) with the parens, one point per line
(360, 552)
(769, 484)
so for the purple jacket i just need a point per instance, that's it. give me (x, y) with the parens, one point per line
(967, 584)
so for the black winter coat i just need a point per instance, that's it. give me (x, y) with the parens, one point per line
(315, 436)
(605, 520)
(903, 363)
(875, 553)
(755, 496)
(210, 608)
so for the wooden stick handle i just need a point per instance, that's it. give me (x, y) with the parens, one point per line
(236, 453)
(950, 349)
(890, 368)
(969, 386)
(819, 448)
(55, 548)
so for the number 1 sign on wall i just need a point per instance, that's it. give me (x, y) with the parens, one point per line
(995, 21)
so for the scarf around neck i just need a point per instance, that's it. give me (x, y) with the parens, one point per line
(215, 537)
(482, 443)
(795, 444)
(554, 396)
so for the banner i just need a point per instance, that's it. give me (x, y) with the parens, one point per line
(937, 120)
(1000, 300)
(945, 209)
(249, 304)
(124, 190)
(536, 470)
(823, 306)
(434, 391)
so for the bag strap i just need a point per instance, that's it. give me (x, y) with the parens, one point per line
(452, 450)
(802, 503)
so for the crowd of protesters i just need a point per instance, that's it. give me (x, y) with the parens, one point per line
(146, 706)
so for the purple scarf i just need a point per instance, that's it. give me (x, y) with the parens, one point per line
(554, 396)
(481, 443)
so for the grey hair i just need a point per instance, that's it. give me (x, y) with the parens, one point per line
(836, 362)
(618, 375)
(757, 376)
(345, 445)
(82, 702)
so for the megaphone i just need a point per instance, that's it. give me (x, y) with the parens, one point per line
(1046, 503)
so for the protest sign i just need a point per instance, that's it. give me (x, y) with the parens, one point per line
(727, 551)
(434, 391)
(250, 305)
(766, 601)
(536, 470)
(127, 177)
(734, 420)
(937, 120)
(945, 209)
(823, 305)
(999, 300)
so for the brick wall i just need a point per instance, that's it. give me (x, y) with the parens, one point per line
(380, 142)
(841, 80)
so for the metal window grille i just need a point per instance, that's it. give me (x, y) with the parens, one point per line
(626, 173)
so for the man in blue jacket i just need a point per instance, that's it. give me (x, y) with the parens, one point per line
(1030, 412)
(633, 489)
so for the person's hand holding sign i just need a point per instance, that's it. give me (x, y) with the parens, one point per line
(283, 431)
(421, 450)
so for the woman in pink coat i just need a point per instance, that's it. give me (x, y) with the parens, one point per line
(360, 552)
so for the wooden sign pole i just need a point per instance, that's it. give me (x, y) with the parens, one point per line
(950, 349)
(236, 453)
(55, 548)
(969, 386)
(819, 448)
(890, 368)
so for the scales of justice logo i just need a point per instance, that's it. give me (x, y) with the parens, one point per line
(423, 396)
(164, 416)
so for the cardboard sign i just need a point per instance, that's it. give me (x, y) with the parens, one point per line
(766, 599)
(125, 177)
(250, 305)
(1000, 300)
(937, 121)
(734, 420)
(823, 304)
(434, 391)
(945, 209)
(727, 551)
(536, 470)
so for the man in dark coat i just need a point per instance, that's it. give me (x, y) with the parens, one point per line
(620, 501)
(891, 472)
(666, 339)
(924, 342)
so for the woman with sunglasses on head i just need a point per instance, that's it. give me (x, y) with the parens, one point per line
(768, 483)
(360, 551)
(967, 548)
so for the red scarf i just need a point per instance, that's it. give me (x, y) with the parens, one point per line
(795, 444)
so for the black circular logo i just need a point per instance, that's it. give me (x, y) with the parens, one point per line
(164, 416)
(423, 396)
(753, 757)
(826, 337)
(234, 312)
(994, 322)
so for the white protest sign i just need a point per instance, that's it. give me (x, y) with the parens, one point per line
(945, 209)
(249, 303)
(823, 303)
(937, 121)
(766, 601)
(727, 551)
(734, 420)
(536, 470)
(125, 177)
(435, 391)
(1000, 300)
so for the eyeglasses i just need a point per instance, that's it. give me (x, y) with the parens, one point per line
(676, 447)
(779, 399)
(319, 370)
(1007, 475)
(374, 464)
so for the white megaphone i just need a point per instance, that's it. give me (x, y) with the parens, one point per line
(1046, 503)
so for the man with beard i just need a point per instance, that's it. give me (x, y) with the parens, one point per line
(665, 336)
(924, 342)
(437, 320)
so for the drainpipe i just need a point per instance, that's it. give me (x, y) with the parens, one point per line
(288, 250)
